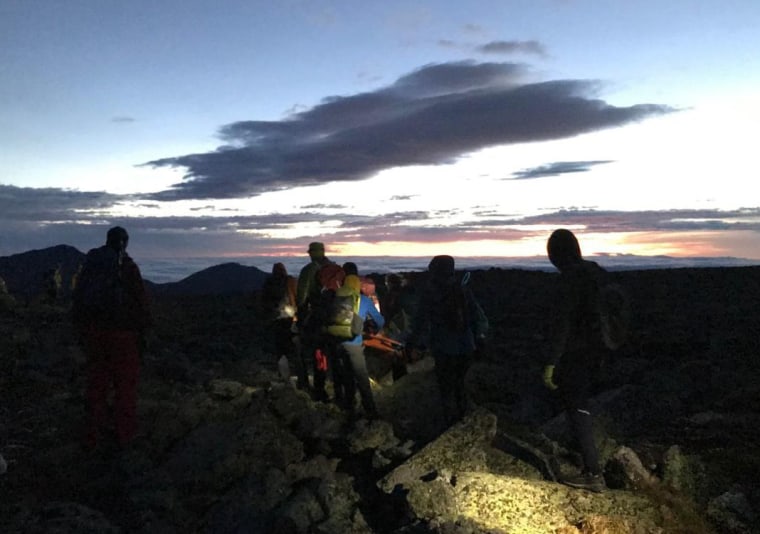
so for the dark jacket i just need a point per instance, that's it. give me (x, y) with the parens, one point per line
(127, 308)
(278, 297)
(448, 319)
(575, 330)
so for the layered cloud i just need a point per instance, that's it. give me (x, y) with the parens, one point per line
(432, 116)
(35, 218)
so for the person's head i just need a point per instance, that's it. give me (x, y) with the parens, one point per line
(354, 283)
(316, 250)
(117, 238)
(563, 249)
(441, 268)
(394, 281)
(279, 270)
(350, 268)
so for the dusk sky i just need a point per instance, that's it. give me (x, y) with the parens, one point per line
(415, 128)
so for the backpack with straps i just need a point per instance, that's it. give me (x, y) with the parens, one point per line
(330, 276)
(99, 295)
(344, 321)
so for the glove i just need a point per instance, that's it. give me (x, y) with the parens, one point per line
(549, 377)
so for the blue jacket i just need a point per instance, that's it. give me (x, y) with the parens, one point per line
(367, 309)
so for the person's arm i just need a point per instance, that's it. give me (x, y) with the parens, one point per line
(367, 309)
(303, 289)
(559, 328)
(137, 289)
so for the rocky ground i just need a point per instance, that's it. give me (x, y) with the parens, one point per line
(226, 445)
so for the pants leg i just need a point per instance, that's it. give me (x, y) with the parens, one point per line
(113, 361)
(98, 384)
(361, 376)
(582, 427)
(338, 372)
(450, 370)
(575, 390)
(126, 370)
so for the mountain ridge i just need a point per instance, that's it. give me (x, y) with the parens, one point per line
(29, 273)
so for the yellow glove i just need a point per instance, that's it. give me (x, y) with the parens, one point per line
(549, 377)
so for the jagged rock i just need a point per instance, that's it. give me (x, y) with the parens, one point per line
(461, 448)
(341, 502)
(318, 467)
(61, 518)
(216, 454)
(636, 475)
(684, 473)
(367, 434)
(226, 389)
(732, 513)
(303, 509)
(508, 505)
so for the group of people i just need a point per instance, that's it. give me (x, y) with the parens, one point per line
(446, 319)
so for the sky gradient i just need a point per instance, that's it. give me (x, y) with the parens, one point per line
(395, 128)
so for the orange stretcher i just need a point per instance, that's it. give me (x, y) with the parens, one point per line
(389, 349)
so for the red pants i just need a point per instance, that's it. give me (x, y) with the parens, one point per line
(113, 361)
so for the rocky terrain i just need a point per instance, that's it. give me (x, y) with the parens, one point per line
(227, 445)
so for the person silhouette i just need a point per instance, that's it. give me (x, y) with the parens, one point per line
(576, 349)
(111, 313)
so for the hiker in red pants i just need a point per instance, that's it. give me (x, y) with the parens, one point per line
(111, 313)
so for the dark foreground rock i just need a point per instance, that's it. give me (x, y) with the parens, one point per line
(227, 445)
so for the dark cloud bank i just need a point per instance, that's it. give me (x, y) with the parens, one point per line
(429, 117)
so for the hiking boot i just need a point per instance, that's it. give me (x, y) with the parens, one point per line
(586, 481)
(320, 395)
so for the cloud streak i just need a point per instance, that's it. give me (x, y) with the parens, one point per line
(513, 47)
(432, 116)
(557, 168)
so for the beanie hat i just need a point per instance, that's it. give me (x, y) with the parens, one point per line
(441, 266)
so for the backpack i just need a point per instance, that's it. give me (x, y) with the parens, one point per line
(344, 321)
(450, 309)
(614, 315)
(278, 297)
(330, 276)
(99, 293)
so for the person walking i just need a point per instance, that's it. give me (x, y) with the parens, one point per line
(576, 350)
(111, 314)
(451, 323)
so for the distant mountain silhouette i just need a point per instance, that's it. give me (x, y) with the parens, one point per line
(223, 279)
(26, 275)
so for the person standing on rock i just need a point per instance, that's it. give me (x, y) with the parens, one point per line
(575, 354)
(350, 354)
(111, 314)
(278, 302)
(308, 296)
(451, 323)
